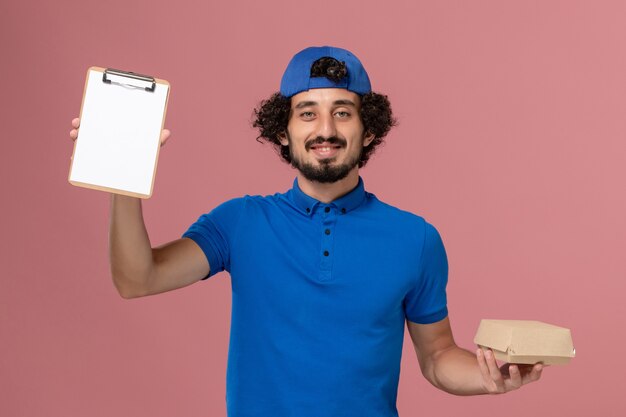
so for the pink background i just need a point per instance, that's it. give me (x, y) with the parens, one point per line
(511, 141)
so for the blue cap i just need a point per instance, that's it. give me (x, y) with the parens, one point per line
(297, 76)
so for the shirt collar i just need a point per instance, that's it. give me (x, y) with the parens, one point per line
(307, 204)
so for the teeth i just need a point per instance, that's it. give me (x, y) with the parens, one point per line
(324, 149)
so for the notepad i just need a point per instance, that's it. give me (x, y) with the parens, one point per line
(121, 119)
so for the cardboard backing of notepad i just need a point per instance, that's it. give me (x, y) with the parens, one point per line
(526, 341)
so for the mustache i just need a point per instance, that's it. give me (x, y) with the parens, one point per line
(333, 140)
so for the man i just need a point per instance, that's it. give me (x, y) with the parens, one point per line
(323, 276)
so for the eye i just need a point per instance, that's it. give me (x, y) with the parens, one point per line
(342, 114)
(307, 115)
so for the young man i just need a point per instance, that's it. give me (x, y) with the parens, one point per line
(323, 276)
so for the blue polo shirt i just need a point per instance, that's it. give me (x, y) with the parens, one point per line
(320, 294)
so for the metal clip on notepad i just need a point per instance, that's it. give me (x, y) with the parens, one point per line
(128, 79)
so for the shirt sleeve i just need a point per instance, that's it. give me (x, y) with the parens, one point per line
(426, 302)
(215, 231)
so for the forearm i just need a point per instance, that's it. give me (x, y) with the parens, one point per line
(460, 372)
(456, 371)
(130, 251)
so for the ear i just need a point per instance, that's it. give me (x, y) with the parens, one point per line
(368, 138)
(282, 138)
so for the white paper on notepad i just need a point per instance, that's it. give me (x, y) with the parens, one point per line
(119, 135)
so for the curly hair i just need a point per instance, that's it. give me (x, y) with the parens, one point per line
(330, 68)
(272, 116)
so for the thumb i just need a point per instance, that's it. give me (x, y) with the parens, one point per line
(165, 135)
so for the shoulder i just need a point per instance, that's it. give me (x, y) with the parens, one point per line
(402, 217)
(261, 202)
(402, 220)
(250, 200)
(249, 203)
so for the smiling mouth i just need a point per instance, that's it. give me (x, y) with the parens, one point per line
(325, 150)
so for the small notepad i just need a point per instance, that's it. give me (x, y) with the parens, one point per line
(121, 119)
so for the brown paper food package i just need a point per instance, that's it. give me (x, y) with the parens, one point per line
(526, 341)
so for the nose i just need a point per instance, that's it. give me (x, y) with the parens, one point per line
(326, 126)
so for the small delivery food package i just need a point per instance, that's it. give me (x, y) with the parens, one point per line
(526, 341)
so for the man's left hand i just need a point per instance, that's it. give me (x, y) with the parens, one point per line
(508, 377)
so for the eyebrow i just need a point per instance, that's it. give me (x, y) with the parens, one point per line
(314, 103)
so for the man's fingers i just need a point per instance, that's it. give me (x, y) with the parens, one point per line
(165, 135)
(75, 125)
(482, 365)
(515, 376)
(510, 377)
(494, 371)
(534, 374)
(493, 380)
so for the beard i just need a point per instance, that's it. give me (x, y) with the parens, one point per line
(326, 171)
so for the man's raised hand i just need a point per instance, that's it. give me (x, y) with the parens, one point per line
(165, 133)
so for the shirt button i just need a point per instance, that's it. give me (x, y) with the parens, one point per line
(308, 210)
(327, 231)
(326, 253)
(327, 209)
(343, 211)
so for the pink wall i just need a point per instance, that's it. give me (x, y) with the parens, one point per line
(512, 142)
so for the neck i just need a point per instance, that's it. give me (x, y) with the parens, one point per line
(327, 192)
